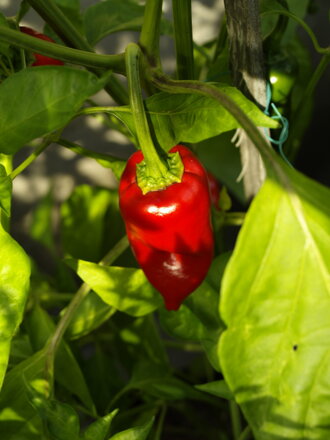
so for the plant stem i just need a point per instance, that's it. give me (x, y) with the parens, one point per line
(81, 293)
(183, 38)
(150, 33)
(31, 158)
(160, 423)
(74, 56)
(235, 419)
(306, 96)
(156, 167)
(85, 152)
(317, 47)
(53, 15)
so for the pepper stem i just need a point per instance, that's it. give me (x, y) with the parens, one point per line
(153, 173)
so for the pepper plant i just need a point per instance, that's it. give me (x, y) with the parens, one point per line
(210, 319)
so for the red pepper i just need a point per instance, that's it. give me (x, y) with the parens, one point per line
(214, 187)
(41, 60)
(170, 230)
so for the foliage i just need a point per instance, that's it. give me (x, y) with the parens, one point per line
(87, 349)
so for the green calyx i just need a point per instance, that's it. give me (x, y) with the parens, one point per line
(172, 172)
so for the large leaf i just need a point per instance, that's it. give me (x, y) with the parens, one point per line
(39, 100)
(193, 118)
(14, 285)
(276, 304)
(126, 289)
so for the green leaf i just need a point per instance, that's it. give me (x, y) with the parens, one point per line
(18, 419)
(156, 381)
(100, 428)
(276, 304)
(92, 213)
(41, 222)
(14, 285)
(217, 388)
(126, 289)
(111, 16)
(193, 118)
(60, 421)
(136, 433)
(182, 324)
(67, 370)
(5, 190)
(49, 96)
(90, 314)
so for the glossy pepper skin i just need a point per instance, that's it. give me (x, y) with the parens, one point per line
(170, 230)
(41, 60)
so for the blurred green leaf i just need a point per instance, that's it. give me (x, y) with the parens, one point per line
(47, 102)
(18, 419)
(60, 421)
(14, 285)
(99, 429)
(41, 222)
(193, 118)
(126, 289)
(92, 213)
(90, 314)
(276, 304)
(67, 370)
(5, 191)
(136, 433)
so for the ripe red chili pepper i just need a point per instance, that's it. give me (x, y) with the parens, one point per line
(41, 60)
(214, 187)
(170, 230)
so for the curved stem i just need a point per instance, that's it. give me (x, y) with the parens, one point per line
(183, 38)
(156, 168)
(31, 158)
(317, 47)
(81, 293)
(74, 56)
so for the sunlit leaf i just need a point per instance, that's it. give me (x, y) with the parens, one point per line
(39, 100)
(14, 285)
(276, 304)
(136, 433)
(126, 289)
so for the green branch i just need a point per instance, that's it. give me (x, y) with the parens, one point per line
(150, 33)
(183, 39)
(74, 56)
(31, 158)
(81, 293)
(317, 47)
